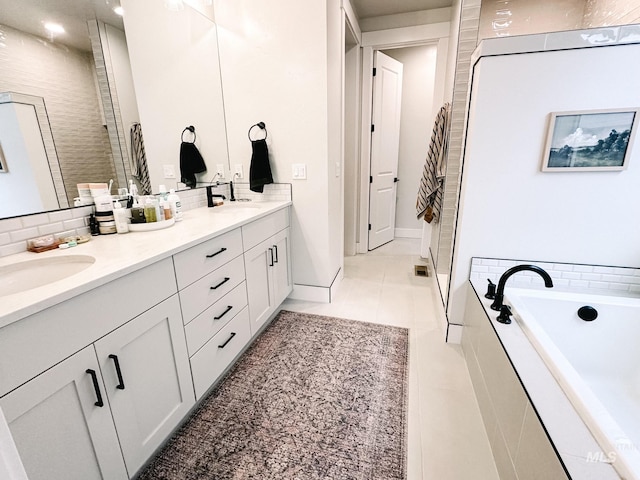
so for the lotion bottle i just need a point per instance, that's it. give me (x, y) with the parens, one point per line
(176, 207)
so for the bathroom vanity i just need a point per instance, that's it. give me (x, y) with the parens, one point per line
(98, 369)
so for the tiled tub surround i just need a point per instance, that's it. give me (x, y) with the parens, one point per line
(14, 232)
(522, 404)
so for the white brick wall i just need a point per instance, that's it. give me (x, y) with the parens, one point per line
(63, 77)
(564, 275)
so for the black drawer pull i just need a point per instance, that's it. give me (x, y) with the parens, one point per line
(96, 387)
(226, 279)
(233, 334)
(275, 251)
(120, 385)
(270, 257)
(217, 253)
(223, 313)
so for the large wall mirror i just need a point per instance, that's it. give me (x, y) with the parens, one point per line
(68, 97)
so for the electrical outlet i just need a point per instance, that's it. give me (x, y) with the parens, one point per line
(220, 170)
(169, 171)
(238, 170)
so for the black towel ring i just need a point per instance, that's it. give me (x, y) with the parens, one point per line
(261, 126)
(192, 129)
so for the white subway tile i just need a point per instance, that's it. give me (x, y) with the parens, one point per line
(489, 262)
(60, 215)
(634, 288)
(622, 271)
(5, 239)
(592, 276)
(598, 285)
(497, 270)
(578, 283)
(583, 268)
(13, 248)
(601, 269)
(24, 234)
(10, 224)
(561, 282)
(35, 220)
(50, 228)
(619, 286)
(610, 278)
(571, 275)
(82, 211)
(563, 267)
(72, 224)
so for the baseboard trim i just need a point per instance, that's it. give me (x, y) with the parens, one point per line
(407, 233)
(454, 333)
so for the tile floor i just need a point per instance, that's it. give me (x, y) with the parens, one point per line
(447, 440)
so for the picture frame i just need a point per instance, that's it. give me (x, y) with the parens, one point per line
(3, 161)
(590, 140)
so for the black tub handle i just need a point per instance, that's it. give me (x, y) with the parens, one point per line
(223, 249)
(223, 313)
(233, 334)
(96, 387)
(226, 279)
(116, 362)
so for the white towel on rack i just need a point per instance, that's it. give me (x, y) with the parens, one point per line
(429, 201)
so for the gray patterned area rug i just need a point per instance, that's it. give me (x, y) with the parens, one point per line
(313, 398)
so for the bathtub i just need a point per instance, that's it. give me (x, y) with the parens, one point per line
(596, 363)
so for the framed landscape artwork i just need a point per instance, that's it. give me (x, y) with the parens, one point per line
(590, 140)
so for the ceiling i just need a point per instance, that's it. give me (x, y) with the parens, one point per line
(30, 15)
(377, 8)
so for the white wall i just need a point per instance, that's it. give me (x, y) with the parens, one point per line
(509, 208)
(418, 83)
(282, 72)
(174, 59)
(27, 186)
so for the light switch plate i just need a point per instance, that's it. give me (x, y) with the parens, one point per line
(238, 170)
(299, 171)
(169, 171)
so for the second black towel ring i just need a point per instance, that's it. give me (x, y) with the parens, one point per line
(261, 126)
(191, 129)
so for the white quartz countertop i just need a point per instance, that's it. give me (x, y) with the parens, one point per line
(120, 254)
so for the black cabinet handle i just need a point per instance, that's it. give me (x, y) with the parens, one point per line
(270, 256)
(226, 279)
(223, 313)
(233, 334)
(96, 387)
(275, 249)
(120, 385)
(217, 253)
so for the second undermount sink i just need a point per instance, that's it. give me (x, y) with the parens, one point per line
(23, 276)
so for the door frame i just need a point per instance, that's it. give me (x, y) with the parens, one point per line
(431, 34)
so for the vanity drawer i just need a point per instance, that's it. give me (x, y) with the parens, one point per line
(209, 322)
(205, 257)
(217, 354)
(203, 293)
(259, 230)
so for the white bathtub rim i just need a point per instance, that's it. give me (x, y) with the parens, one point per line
(605, 429)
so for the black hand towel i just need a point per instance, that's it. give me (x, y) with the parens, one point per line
(260, 170)
(191, 162)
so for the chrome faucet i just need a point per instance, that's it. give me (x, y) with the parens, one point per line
(497, 302)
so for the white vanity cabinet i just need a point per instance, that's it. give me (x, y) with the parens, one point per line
(71, 420)
(59, 431)
(267, 265)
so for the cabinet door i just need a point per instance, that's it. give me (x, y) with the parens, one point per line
(146, 372)
(59, 432)
(281, 272)
(258, 263)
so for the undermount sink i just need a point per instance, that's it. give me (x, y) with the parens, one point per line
(23, 276)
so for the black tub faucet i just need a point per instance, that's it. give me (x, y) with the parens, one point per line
(497, 302)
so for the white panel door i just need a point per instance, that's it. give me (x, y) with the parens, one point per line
(59, 431)
(385, 140)
(147, 377)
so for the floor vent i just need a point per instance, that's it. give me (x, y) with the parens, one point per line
(421, 271)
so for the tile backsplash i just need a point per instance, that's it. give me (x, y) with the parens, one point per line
(564, 275)
(14, 232)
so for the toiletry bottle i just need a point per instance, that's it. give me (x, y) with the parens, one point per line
(120, 217)
(93, 225)
(137, 212)
(150, 212)
(165, 205)
(176, 207)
